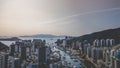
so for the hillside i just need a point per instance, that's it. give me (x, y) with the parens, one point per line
(9, 39)
(106, 34)
(42, 36)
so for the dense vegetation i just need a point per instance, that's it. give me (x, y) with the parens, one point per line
(106, 34)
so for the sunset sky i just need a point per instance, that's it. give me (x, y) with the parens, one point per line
(58, 17)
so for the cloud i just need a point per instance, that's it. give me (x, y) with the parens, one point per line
(80, 14)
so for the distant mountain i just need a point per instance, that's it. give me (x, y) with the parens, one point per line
(42, 36)
(9, 38)
(106, 34)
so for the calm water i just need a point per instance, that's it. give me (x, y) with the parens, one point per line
(48, 40)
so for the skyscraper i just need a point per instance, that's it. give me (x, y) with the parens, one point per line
(13, 62)
(3, 59)
(12, 49)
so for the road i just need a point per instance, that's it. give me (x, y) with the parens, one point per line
(67, 58)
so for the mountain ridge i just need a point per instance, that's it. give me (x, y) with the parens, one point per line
(43, 35)
(105, 34)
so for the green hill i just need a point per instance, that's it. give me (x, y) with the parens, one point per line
(106, 34)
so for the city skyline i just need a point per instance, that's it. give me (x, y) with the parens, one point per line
(58, 17)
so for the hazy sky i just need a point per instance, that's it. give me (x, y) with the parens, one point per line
(60, 17)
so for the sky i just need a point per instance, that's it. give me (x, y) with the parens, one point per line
(58, 17)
